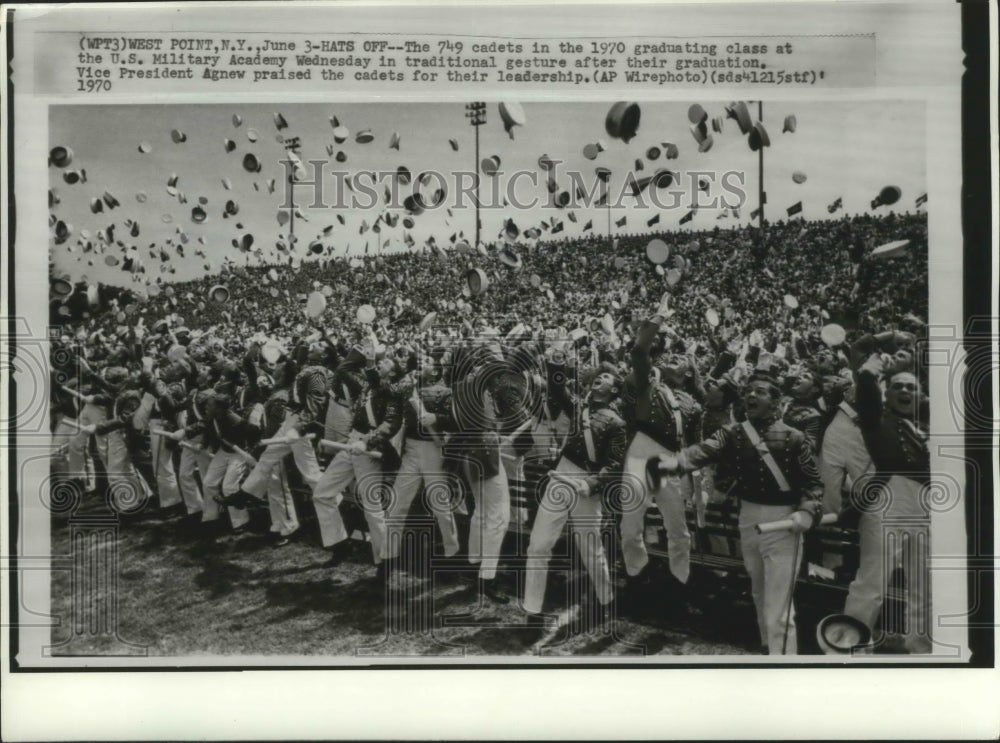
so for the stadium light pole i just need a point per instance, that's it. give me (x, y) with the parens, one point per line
(476, 114)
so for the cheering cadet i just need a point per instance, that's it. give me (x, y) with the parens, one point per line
(377, 417)
(775, 479)
(662, 418)
(476, 444)
(591, 458)
(426, 414)
(897, 443)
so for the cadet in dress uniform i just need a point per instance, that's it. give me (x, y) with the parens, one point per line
(475, 443)
(377, 417)
(592, 457)
(661, 419)
(194, 457)
(897, 442)
(162, 401)
(296, 407)
(116, 437)
(426, 416)
(226, 432)
(752, 448)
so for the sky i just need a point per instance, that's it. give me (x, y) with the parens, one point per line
(849, 150)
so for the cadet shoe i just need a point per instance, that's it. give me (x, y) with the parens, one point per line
(492, 591)
(338, 553)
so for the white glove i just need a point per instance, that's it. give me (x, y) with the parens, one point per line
(801, 522)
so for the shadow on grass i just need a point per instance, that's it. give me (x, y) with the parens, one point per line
(220, 577)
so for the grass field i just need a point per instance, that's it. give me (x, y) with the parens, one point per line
(183, 595)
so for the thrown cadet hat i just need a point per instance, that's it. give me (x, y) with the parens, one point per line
(653, 153)
(886, 197)
(341, 134)
(490, 165)
(591, 152)
(790, 124)
(509, 257)
(699, 132)
(799, 177)
(833, 335)
(717, 124)
(279, 121)
(316, 305)
(61, 286)
(512, 114)
(662, 178)
(145, 148)
(63, 230)
(622, 121)
(252, 135)
(96, 205)
(758, 137)
(477, 281)
(71, 177)
(178, 136)
(741, 113)
(219, 293)
(250, 163)
(198, 215)
(427, 321)
(364, 136)
(232, 207)
(657, 251)
(394, 141)
(892, 249)
(61, 156)
(229, 145)
(696, 114)
(454, 144)
(840, 634)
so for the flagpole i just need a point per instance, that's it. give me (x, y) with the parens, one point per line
(291, 223)
(760, 173)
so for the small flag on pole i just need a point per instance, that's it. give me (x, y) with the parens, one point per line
(838, 204)
(921, 200)
(795, 208)
(755, 213)
(687, 217)
(620, 222)
(653, 220)
(588, 226)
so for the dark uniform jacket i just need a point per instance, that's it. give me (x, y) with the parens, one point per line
(808, 419)
(309, 397)
(474, 426)
(436, 400)
(896, 446)
(753, 480)
(647, 407)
